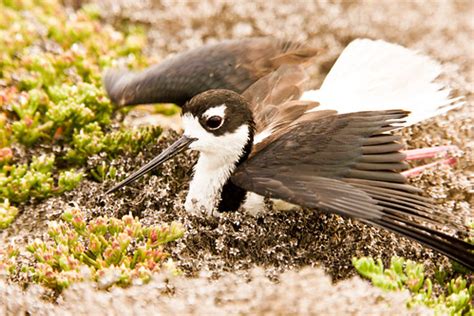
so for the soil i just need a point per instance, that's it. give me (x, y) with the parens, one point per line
(301, 250)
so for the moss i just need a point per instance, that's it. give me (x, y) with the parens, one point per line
(406, 274)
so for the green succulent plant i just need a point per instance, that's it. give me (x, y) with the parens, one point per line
(406, 274)
(109, 251)
(7, 213)
(51, 95)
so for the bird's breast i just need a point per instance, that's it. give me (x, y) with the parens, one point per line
(207, 183)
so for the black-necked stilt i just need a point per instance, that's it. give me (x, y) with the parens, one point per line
(330, 149)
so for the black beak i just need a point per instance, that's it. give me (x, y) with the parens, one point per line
(177, 147)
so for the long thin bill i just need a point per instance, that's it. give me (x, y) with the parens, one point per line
(177, 147)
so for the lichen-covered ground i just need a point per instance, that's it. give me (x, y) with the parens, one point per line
(293, 243)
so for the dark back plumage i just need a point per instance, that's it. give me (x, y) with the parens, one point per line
(348, 164)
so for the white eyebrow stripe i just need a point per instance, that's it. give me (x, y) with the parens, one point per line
(217, 110)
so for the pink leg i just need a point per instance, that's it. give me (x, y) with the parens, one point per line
(431, 152)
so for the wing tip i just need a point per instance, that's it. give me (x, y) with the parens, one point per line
(452, 247)
(115, 83)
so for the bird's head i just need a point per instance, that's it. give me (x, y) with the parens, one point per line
(217, 123)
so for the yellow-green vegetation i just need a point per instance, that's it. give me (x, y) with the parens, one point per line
(36, 180)
(54, 115)
(7, 213)
(51, 96)
(470, 239)
(406, 274)
(106, 250)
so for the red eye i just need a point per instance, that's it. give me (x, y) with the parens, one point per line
(214, 122)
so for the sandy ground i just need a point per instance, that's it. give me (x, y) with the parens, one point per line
(229, 248)
(307, 292)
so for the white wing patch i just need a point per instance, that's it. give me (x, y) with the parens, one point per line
(376, 75)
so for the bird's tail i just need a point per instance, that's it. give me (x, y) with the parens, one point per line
(376, 75)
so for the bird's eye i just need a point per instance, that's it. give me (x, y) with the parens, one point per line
(214, 122)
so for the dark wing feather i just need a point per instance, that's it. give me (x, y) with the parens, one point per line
(349, 165)
(232, 65)
(274, 99)
(274, 102)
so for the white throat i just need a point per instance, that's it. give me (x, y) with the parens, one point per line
(217, 160)
(210, 175)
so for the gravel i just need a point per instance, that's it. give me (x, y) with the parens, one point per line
(297, 253)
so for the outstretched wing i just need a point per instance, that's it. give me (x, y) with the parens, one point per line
(274, 99)
(233, 65)
(349, 164)
(376, 76)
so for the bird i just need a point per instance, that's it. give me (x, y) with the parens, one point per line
(331, 149)
(237, 64)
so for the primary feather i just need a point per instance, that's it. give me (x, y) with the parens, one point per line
(376, 75)
(349, 164)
